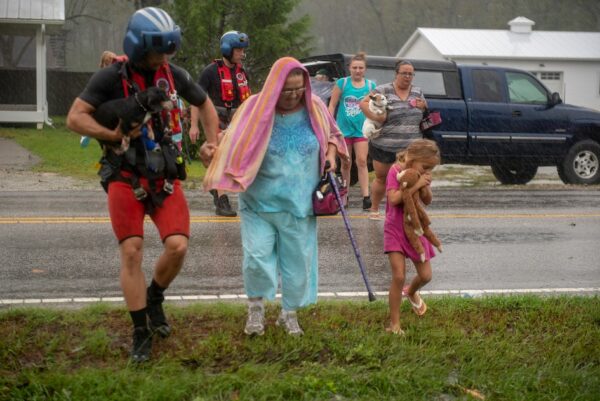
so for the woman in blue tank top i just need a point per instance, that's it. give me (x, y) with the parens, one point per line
(347, 93)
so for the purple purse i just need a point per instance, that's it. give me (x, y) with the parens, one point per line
(323, 198)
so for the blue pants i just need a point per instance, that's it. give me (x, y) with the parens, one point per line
(280, 245)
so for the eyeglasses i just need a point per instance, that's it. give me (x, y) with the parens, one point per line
(289, 92)
(407, 74)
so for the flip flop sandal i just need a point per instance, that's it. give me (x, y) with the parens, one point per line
(375, 216)
(396, 331)
(418, 307)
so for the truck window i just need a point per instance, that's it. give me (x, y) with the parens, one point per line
(522, 88)
(486, 86)
(379, 75)
(430, 82)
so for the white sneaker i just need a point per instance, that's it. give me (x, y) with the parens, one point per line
(255, 325)
(289, 321)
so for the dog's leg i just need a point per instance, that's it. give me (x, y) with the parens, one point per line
(125, 144)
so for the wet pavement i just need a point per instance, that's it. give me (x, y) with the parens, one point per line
(60, 244)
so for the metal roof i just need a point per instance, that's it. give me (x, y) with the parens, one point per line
(32, 11)
(380, 61)
(490, 43)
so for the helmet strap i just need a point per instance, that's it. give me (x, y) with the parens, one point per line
(227, 61)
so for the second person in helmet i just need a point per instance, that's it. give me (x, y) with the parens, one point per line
(226, 83)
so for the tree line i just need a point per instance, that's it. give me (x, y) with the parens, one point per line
(382, 26)
(308, 27)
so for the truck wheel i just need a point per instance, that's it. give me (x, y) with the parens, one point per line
(581, 165)
(513, 173)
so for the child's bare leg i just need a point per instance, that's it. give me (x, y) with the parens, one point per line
(397, 263)
(422, 277)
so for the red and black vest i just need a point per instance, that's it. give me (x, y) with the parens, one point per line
(227, 87)
(163, 78)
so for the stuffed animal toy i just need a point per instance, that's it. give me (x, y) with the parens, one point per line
(416, 221)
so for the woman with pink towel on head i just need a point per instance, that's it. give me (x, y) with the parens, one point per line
(273, 153)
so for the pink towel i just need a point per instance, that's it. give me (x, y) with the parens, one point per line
(242, 149)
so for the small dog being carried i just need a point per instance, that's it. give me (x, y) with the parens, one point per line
(378, 105)
(132, 112)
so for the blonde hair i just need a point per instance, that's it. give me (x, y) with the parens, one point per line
(107, 58)
(420, 150)
(360, 56)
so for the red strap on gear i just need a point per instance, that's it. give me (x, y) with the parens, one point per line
(227, 95)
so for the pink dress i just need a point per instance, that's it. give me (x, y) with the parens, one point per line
(394, 238)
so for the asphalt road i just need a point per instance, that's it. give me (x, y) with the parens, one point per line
(59, 245)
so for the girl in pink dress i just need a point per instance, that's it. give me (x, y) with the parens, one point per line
(422, 155)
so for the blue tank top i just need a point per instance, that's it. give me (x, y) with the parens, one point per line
(350, 117)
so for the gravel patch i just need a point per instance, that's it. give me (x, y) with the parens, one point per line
(23, 180)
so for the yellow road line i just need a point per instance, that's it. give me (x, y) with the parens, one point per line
(490, 216)
(514, 215)
(215, 219)
(98, 220)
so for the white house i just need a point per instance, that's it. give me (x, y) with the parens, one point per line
(23, 18)
(566, 62)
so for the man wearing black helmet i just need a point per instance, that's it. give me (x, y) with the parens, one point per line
(138, 181)
(226, 83)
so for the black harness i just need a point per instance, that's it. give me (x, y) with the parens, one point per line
(167, 164)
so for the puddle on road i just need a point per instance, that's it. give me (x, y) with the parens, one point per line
(486, 237)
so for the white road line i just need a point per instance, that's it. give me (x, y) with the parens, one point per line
(340, 295)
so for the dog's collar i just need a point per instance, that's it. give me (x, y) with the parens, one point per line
(135, 95)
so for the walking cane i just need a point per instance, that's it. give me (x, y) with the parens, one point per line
(340, 202)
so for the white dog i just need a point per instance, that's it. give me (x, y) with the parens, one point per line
(378, 105)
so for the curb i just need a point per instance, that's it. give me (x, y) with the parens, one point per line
(323, 295)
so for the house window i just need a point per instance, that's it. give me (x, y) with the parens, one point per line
(550, 76)
(553, 80)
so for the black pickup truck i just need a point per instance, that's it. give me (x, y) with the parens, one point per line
(495, 116)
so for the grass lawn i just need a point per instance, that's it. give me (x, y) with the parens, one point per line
(60, 152)
(497, 348)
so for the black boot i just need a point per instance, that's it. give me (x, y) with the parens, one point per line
(142, 345)
(158, 320)
(224, 208)
(215, 195)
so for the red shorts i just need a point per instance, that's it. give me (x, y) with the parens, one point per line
(354, 139)
(127, 213)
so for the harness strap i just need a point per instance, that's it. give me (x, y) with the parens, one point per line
(137, 100)
(151, 199)
(174, 168)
